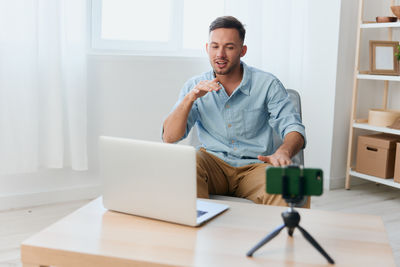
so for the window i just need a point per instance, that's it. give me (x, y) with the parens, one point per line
(197, 16)
(166, 27)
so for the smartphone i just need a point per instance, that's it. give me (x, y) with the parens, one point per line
(313, 180)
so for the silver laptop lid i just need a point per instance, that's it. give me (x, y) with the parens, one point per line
(149, 179)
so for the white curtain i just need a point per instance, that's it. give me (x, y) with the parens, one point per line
(284, 39)
(275, 35)
(250, 13)
(42, 85)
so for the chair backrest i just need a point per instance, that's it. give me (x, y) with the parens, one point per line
(297, 159)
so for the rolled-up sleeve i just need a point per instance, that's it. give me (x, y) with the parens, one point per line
(283, 116)
(193, 114)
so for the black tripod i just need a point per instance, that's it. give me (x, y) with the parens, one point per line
(291, 220)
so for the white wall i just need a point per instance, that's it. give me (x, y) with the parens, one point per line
(343, 96)
(131, 95)
(307, 61)
(47, 186)
(319, 82)
(128, 96)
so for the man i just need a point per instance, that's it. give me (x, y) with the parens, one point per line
(235, 108)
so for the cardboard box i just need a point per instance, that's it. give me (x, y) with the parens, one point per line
(376, 154)
(397, 164)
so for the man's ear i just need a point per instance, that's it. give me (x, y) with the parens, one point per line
(207, 47)
(244, 50)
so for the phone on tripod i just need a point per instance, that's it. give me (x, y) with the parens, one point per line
(293, 183)
(300, 181)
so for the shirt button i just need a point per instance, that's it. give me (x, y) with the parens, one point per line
(229, 125)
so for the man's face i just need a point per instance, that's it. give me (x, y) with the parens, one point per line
(225, 50)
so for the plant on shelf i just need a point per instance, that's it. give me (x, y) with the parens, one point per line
(397, 54)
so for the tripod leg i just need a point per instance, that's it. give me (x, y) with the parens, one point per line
(266, 239)
(290, 231)
(315, 244)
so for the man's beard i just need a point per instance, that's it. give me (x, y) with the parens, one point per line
(227, 71)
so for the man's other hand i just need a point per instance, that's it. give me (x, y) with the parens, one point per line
(277, 159)
(203, 87)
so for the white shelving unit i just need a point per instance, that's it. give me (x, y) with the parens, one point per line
(388, 182)
(375, 25)
(378, 77)
(368, 127)
(362, 123)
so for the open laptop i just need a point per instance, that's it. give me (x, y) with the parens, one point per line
(154, 180)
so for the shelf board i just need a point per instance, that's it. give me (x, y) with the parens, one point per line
(380, 25)
(378, 77)
(388, 182)
(366, 126)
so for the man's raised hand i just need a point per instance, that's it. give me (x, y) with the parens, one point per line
(203, 87)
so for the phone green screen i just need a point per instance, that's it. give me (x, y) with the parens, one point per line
(313, 180)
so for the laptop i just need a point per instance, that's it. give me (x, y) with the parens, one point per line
(154, 180)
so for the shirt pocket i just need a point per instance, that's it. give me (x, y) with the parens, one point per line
(254, 120)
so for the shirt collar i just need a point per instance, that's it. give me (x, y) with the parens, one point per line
(244, 85)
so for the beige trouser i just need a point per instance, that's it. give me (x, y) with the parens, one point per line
(215, 176)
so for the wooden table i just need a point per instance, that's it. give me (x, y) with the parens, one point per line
(93, 236)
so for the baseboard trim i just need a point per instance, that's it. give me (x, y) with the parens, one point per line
(338, 183)
(17, 201)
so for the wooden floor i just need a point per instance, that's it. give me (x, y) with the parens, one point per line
(17, 225)
(370, 198)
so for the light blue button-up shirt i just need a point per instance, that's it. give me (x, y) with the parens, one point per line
(240, 127)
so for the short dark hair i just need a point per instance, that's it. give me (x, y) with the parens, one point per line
(228, 22)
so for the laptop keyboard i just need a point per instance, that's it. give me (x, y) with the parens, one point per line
(200, 212)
